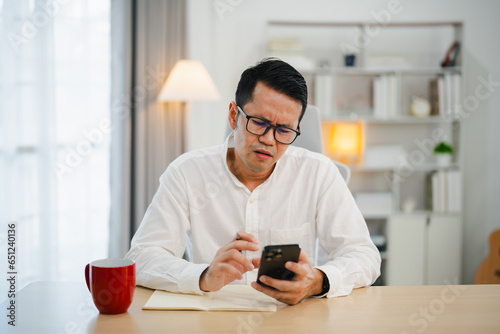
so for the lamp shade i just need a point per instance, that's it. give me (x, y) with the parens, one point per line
(345, 138)
(344, 141)
(189, 81)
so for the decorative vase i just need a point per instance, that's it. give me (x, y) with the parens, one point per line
(443, 159)
(350, 60)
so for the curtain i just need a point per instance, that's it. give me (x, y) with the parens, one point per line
(54, 138)
(148, 37)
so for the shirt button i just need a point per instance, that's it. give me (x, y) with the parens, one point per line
(251, 201)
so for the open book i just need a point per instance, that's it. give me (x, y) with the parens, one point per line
(229, 298)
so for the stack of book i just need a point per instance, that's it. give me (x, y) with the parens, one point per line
(385, 96)
(292, 51)
(444, 191)
(445, 96)
(285, 46)
(374, 203)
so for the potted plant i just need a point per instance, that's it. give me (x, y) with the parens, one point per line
(443, 152)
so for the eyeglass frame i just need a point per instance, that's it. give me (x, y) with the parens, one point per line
(269, 126)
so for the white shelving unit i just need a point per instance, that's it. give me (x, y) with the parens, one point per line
(412, 53)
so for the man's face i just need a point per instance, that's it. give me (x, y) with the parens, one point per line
(260, 153)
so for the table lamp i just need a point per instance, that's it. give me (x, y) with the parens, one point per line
(188, 81)
(344, 141)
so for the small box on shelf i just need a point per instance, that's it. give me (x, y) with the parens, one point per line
(374, 204)
(383, 156)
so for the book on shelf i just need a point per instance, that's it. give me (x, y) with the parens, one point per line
(385, 96)
(454, 191)
(445, 95)
(323, 89)
(457, 94)
(434, 96)
(285, 45)
(440, 95)
(444, 191)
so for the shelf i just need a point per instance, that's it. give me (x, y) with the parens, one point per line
(393, 120)
(375, 71)
(375, 169)
(375, 215)
(433, 166)
(431, 70)
(421, 168)
(351, 71)
(400, 63)
(412, 213)
(408, 120)
(420, 213)
(363, 23)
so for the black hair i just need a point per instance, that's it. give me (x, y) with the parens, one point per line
(275, 74)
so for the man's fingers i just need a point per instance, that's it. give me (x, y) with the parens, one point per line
(284, 297)
(243, 268)
(245, 241)
(236, 256)
(303, 257)
(297, 268)
(229, 263)
(256, 262)
(238, 266)
(266, 290)
(278, 284)
(290, 292)
(241, 235)
(227, 269)
(245, 245)
(240, 245)
(300, 268)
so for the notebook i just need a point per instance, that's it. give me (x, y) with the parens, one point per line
(229, 298)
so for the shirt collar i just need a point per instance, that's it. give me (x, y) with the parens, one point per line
(229, 143)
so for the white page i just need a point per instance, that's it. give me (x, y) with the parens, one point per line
(163, 300)
(229, 298)
(241, 298)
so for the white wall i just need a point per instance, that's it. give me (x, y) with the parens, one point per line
(228, 36)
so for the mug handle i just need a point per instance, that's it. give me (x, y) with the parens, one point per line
(87, 268)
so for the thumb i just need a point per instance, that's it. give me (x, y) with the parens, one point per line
(256, 262)
(303, 258)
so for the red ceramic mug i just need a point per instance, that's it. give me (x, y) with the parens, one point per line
(111, 283)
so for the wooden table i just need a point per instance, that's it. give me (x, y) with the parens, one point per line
(66, 307)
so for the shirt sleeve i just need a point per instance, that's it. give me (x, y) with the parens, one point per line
(354, 261)
(159, 243)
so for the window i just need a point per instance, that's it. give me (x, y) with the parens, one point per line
(54, 135)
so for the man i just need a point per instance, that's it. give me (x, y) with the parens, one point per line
(258, 188)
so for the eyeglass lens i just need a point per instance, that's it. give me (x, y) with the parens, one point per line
(282, 134)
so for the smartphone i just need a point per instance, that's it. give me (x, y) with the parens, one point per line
(272, 262)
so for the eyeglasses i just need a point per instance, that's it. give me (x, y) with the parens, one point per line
(258, 126)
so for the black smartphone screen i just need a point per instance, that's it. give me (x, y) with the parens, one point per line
(272, 262)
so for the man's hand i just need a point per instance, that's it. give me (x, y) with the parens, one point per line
(308, 281)
(229, 264)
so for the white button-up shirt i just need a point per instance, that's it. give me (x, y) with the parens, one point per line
(304, 198)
